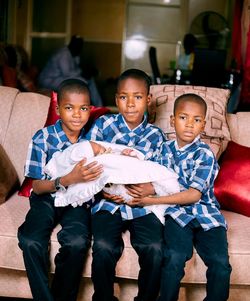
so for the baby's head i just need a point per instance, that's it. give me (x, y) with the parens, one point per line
(189, 117)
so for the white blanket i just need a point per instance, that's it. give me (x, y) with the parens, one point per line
(117, 169)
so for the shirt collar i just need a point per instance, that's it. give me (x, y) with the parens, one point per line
(123, 127)
(61, 134)
(189, 146)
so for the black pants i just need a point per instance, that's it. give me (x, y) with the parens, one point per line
(74, 238)
(212, 247)
(146, 235)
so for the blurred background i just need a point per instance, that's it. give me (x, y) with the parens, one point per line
(145, 34)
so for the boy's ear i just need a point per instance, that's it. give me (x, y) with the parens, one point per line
(172, 119)
(204, 123)
(149, 99)
(116, 100)
(57, 109)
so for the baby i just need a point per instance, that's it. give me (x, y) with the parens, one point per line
(121, 165)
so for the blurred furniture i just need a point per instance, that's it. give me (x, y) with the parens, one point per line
(154, 65)
(209, 67)
(24, 113)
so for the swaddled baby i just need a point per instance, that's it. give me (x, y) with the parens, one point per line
(121, 165)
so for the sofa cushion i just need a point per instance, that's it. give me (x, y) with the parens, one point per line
(28, 114)
(232, 186)
(216, 132)
(8, 95)
(8, 176)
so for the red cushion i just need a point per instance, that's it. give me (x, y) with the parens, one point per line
(52, 117)
(232, 186)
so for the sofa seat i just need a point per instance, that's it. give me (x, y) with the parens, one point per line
(13, 213)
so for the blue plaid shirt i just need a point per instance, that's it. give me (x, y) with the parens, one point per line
(197, 168)
(145, 137)
(43, 145)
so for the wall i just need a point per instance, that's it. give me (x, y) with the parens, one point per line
(101, 23)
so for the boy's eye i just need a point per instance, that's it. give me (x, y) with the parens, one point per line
(197, 120)
(68, 108)
(182, 117)
(122, 97)
(85, 109)
(138, 97)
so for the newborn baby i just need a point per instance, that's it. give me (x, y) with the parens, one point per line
(121, 165)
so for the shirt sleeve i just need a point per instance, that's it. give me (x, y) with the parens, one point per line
(36, 159)
(204, 171)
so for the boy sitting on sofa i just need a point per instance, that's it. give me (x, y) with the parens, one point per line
(130, 128)
(195, 219)
(74, 237)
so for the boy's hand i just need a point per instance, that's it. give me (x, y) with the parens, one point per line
(141, 201)
(85, 173)
(114, 198)
(140, 190)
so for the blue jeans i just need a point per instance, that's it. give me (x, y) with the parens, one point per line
(212, 247)
(146, 235)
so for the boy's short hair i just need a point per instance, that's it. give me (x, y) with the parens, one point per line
(190, 97)
(72, 85)
(136, 74)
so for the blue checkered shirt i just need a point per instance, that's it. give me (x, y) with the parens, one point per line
(43, 145)
(197, 168)
(146, 138)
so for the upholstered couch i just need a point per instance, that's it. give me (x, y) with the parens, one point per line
(21, 115)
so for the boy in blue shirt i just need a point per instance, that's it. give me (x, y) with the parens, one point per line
(74, 237)
(111, 216)
(194, 219)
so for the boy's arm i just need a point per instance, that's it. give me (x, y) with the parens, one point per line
(80, 173)
(186, 197)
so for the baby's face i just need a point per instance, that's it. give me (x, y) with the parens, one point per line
(102, 149)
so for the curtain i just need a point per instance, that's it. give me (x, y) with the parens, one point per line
(245, 23)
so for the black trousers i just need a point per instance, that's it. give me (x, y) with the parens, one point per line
(74, 238)
(146, 235)
(212, 247)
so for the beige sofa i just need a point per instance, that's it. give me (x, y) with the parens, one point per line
(21, 115)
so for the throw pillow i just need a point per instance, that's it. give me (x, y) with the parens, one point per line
(8, 176)
(52, 117)
(216, 129)
(232, 185)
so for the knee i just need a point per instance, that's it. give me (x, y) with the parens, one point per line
(103, 249)
(152, 251)
(77, 246)
(220, 264)
(29, 244)
(176, 260)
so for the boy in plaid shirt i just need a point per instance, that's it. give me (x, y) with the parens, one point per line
(194, 219)
(74, 237)
(110, 215)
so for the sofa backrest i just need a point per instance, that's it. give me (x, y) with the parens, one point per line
(22, 114)
(239, 127)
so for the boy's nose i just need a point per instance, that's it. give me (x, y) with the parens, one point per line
(190, 123)
(76, 113)
(130, 101)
